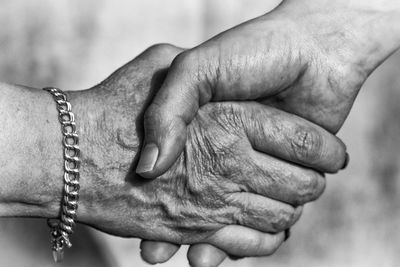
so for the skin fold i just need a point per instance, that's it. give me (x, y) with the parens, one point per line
(233, 187)
(223, 181)
(281, 58)
(256, 158)
(309, 58)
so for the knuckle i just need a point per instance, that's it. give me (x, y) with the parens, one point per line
(161, 48)
(284, 219)
(310, 187)
(150, 112)
(151, 116)
(185, 59)
(194, 66)
(158, 125)
(228, 116)
(238, 217)
(306, 145)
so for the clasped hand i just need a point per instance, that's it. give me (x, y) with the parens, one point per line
(238, 185)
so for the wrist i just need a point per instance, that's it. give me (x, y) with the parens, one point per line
(32, 161)
(382, 6)
(32, 153)
(107, 151)
(361, 33)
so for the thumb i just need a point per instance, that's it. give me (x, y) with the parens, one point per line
(167, 117)
(196, 77)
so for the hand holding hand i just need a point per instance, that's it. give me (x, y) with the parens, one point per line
(309, 58)
(221, 187)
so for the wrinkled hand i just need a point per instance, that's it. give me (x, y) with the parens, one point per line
(309, 58)
(223, 190)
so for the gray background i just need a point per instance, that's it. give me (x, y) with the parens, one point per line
(74, 44)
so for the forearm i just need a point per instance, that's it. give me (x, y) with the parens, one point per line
(109, 143)
(361, 32)
(32, 151)
(386, 6)
(31, 159)
(106, 117)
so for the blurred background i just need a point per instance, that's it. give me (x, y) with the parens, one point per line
(75, 44)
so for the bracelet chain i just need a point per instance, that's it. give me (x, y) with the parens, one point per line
(63, 227)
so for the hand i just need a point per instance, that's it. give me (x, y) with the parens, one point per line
(309, 58)
(175, 208)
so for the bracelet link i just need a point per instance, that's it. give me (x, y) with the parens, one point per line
(63, 227)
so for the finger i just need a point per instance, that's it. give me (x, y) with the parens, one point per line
(200, 255)
(263, 214)
(280, 180)
(194, 79)
(154, 252)
(241, 241)
(165, 121)
(292, 138)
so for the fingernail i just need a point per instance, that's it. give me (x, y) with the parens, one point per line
(148, 158)
(287, 234)
(346, 161)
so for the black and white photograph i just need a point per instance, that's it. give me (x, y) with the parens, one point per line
(201, 133)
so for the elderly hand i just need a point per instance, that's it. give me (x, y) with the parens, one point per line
(309, 58)
(226, 189)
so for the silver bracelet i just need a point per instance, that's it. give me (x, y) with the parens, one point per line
(63, 227)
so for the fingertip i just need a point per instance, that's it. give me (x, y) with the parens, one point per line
(298, 211)
(346, 161)
(154, 252)
(154, 163)
(242, 241)
(334, 157)
(158, 159)
(148, 158)
(164, 140)
(205, 255)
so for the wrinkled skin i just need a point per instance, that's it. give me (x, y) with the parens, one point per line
(222, 189)
(309, 58)
(209, 186)
(294, 58)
